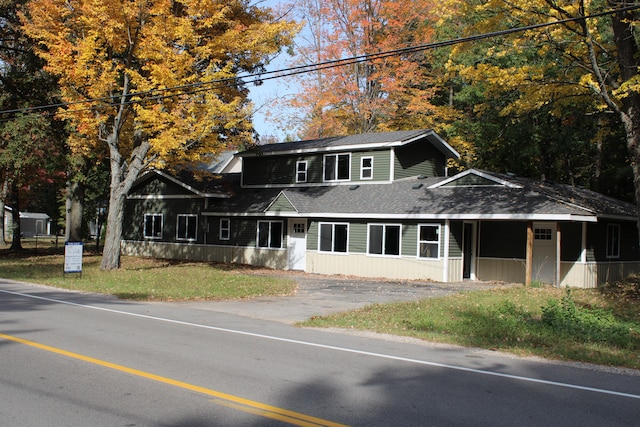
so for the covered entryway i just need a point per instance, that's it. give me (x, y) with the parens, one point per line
(297, 245)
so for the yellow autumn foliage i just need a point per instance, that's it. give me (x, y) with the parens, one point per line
(171, 65)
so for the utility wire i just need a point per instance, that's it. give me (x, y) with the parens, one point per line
(259, 77)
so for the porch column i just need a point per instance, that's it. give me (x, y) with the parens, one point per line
(558, 254)
(529, 255)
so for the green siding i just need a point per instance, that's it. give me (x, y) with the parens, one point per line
(358, 230)
(312, 236)
(410, 239)
(597, 241)
(455, 239)
(159, 186)
(358, 237)
(281, 204)
(420, 158)
(269, 170)
(281, 170)
(381, 165)
(169, 208)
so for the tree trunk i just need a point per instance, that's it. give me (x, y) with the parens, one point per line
(3, 196)
(123, 176)
(74, 204)
(628, 60)
(113, 235)
(14, 200)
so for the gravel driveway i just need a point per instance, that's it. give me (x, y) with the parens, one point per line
(319, 295)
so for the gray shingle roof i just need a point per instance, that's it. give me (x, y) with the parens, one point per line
(400, 199)
(375, 139)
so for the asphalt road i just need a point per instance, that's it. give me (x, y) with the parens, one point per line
(77, 359)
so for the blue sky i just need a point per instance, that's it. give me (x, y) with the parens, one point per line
(264, 96)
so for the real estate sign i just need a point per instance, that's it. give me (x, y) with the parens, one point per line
(73, 257)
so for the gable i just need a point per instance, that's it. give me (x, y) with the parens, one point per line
(474, 178)
(281, 204)
(156, 184)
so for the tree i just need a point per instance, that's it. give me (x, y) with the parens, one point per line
(162, 77)
(31, 145)
(575, 71)
(368, 95)
(26, 155)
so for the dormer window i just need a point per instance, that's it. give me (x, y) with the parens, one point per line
(301, 171)
(366, 168)
(337, 167)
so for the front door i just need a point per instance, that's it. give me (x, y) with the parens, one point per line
(297, 247)
(544, 252)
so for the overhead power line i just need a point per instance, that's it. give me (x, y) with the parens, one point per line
(259, 77)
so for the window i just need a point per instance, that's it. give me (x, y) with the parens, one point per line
(153, 226)
(333, 237)
(429, 241)
(301, 171)
(543, 234)
(269, 234)
(299, 227)
(187, 227)
(337, 167)
(225, 229)
(384, 239)
(366, 168)
(613, 241)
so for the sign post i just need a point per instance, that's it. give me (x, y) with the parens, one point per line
(73, 257)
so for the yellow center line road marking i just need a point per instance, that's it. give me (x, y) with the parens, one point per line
(229, 400)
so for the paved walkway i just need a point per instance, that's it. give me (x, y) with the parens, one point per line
(319, 295)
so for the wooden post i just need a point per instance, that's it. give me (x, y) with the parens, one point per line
(529, 255)
(558, 254)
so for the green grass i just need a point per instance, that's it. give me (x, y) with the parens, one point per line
(584, 325)
(144, 279)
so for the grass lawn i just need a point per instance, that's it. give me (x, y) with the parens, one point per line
(596, 326)
(143, 279)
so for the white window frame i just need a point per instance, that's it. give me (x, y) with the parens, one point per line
(333, 235)
(186, 238)
(384, 239)
(224, 228)
(364, 168)
(301, 175)
(438, 228)
(335, 176)
(613, 241)
(156, 234)
(269, 242)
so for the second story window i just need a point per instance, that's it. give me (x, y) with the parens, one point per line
(337, 167)
(301, 171)
(366, 168)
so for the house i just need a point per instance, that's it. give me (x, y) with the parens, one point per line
(383, 205)
(31, 223)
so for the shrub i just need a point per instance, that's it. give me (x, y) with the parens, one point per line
(584, 324)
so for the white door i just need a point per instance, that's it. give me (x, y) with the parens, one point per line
(544, 252)
(297, 248)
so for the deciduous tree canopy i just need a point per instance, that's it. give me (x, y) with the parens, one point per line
(162, 77)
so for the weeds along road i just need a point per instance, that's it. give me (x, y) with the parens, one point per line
(79, 359)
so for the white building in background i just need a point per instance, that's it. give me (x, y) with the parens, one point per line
(31, 223)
